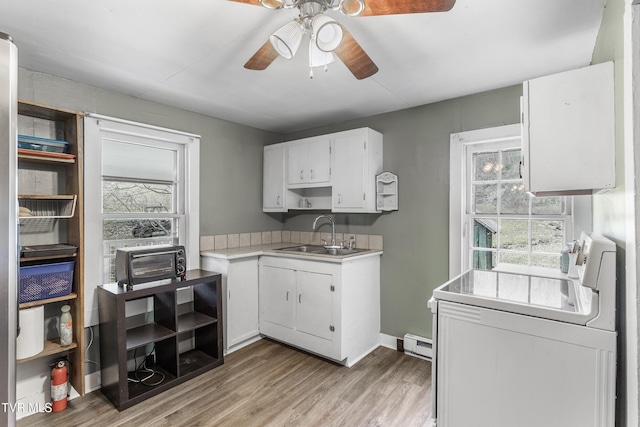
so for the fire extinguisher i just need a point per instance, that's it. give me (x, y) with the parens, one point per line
(59, 385)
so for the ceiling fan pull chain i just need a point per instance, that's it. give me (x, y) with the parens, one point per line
(311, 72)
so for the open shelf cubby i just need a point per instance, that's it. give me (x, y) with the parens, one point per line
(183, 339)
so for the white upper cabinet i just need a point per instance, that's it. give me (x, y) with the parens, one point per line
(568, 135)
(273, 188)
(309, 163)
(334, 172)
(357, 159)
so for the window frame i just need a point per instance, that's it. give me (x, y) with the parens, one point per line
(579, 206)
(470, 216)
(98, 128)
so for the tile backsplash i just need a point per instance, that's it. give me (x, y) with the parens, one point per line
(239, 240)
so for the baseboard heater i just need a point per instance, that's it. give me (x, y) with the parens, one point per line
(417, 346)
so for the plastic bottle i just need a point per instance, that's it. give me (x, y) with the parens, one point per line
(66, 326)
(564, 258)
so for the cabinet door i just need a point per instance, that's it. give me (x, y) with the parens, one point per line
(273, 184)
(568, 131)
(319, 160)
(314, 304)
(297, 164)
(349, 162)
(277, 295)
(242, 301)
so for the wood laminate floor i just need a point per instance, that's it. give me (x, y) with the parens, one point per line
(269, 384)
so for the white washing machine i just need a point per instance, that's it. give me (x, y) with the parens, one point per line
(524, 350)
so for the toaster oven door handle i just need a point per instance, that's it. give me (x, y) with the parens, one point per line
(153, 253)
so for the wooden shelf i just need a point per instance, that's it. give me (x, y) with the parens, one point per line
(193, 320)
(67, 297)
(147, 334)
(47, 258)
(34, 156)
(51, 348)
(67, 170)
(193, 360)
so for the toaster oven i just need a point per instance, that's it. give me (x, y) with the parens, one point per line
(150, 263)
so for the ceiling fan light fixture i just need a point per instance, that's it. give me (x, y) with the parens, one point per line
(286, 40)
(317, 57)
(273, 4)
(327, 33)
(351, 7)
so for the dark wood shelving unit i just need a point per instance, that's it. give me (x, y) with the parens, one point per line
(163, 329)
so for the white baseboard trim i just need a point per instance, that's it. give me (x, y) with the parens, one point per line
(389, 341)
(242, 344)
(92, 382)
(350, 362)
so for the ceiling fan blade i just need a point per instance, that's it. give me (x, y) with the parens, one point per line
(354, 57)
(254, 2)
(262, 58)
(271, 4)
(395, 7)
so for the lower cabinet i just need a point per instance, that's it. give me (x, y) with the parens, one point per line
(240, 297)
(173, 325)
(328, 308)
(298, 300)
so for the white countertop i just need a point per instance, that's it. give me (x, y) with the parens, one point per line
(271, 250)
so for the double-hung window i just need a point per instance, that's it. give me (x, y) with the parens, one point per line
(142, 189)
(503, 223)
(142, 196)
(493, 220)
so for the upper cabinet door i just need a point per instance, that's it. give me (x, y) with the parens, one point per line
(568, 135)
(297, 164)
(309, 162)
(356, 159)
(273, 184)
(319, 160)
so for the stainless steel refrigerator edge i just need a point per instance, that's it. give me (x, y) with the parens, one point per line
(8, 228)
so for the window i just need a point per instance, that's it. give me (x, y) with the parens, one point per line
(492, 219)
(506, 224)
(142, 202)
(142, 189)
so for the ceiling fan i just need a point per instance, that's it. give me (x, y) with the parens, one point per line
(326, 36)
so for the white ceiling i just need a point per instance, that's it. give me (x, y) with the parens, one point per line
(190, 54)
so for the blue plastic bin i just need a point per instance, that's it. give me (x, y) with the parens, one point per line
(42, 144)
(45, 281)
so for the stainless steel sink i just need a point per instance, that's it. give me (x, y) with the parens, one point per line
(335, 251)
(320, 250)
(303, 248)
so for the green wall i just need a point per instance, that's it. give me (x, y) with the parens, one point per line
(612, 217)
(416, 147)
(416, 237)
(230, 154)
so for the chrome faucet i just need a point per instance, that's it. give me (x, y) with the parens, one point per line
(333, 231)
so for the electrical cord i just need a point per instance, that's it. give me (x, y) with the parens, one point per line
(142, 368)
(86, 350)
